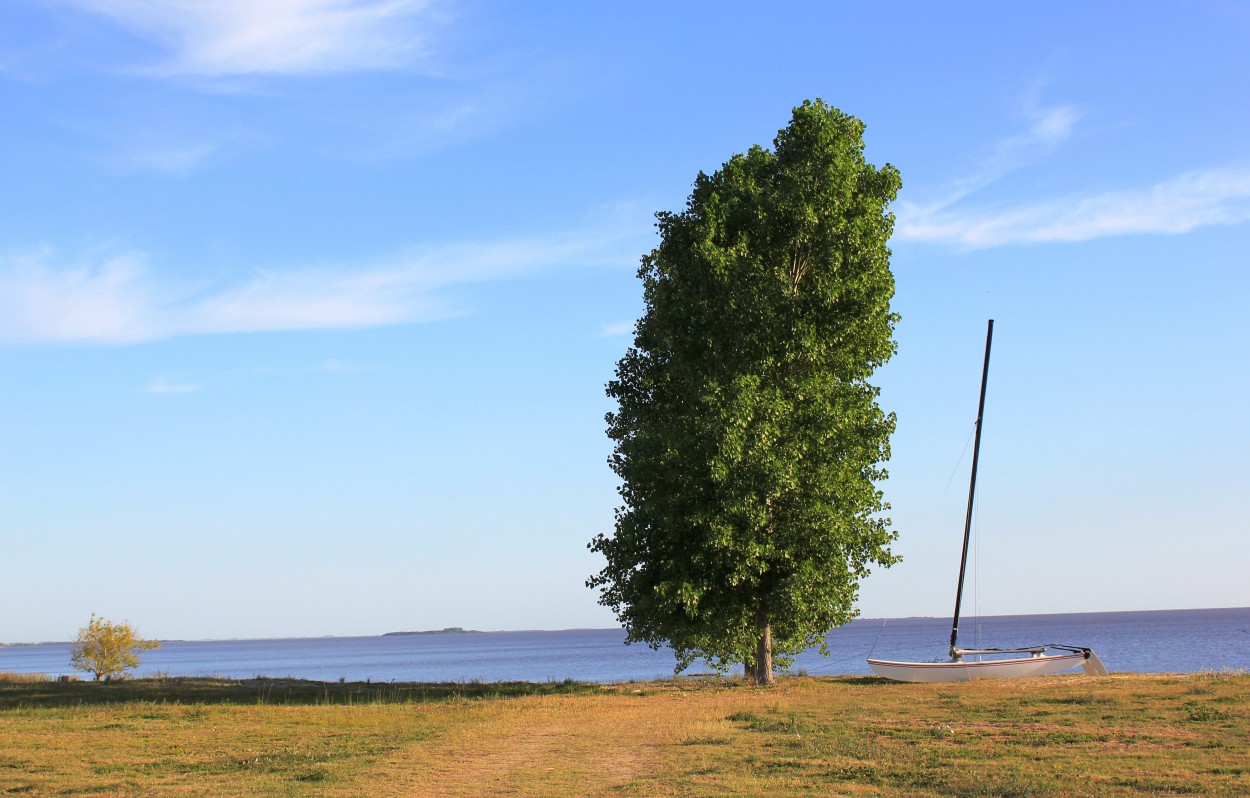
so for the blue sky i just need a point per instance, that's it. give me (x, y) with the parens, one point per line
(306, 307)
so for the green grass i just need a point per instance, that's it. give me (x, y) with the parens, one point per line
(1051, 736)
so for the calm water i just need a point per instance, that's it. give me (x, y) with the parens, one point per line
(1144, 642)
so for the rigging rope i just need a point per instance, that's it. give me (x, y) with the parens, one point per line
(830, 663)
(928, 528)
(976, 570)
(938, 507)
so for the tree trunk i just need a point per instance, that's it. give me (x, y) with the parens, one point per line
(761, 671)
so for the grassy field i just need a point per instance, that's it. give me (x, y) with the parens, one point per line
(1068, 735)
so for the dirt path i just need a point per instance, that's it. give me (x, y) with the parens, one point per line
(541, 746)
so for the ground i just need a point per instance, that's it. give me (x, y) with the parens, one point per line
(1049, 736)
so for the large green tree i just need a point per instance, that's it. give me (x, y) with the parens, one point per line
(748, 439)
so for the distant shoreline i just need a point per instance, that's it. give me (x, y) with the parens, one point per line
(449, 630)
(458, 630)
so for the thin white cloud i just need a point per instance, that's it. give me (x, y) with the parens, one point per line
(335, 366)
(168, 160)
(1048, 128)
(121, 299)
(616, 328)
(1178, 205)
(1192, 200)
(163, 384)
(285, 37)
(328, 366)
(104, 299)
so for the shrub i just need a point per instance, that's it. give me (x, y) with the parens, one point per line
(104, 648)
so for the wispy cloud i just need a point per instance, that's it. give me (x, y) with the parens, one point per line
(169, 160)
(1189, 201)
(287, 37)
(122, 299)
(616, 328)
(102, 299)
(1048, 128)
(335, 366)
(164, 384)
(1192, 200)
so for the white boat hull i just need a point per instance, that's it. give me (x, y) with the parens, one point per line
(963, 671)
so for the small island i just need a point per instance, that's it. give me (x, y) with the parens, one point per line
(450, 630)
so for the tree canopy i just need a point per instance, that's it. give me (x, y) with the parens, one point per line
(747, 437)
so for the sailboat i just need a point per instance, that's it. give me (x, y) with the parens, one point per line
(1002, 665)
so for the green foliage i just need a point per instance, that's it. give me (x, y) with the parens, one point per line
(747, 437)
(104, 648)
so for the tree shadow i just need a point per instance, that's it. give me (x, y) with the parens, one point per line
(18, 694)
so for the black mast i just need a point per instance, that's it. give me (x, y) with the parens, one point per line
(972, 487)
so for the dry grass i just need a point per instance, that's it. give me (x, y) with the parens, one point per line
(24, 678)
(1056, 736)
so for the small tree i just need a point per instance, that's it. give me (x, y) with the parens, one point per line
(105, 648)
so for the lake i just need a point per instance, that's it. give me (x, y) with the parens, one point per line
(1164, 641)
